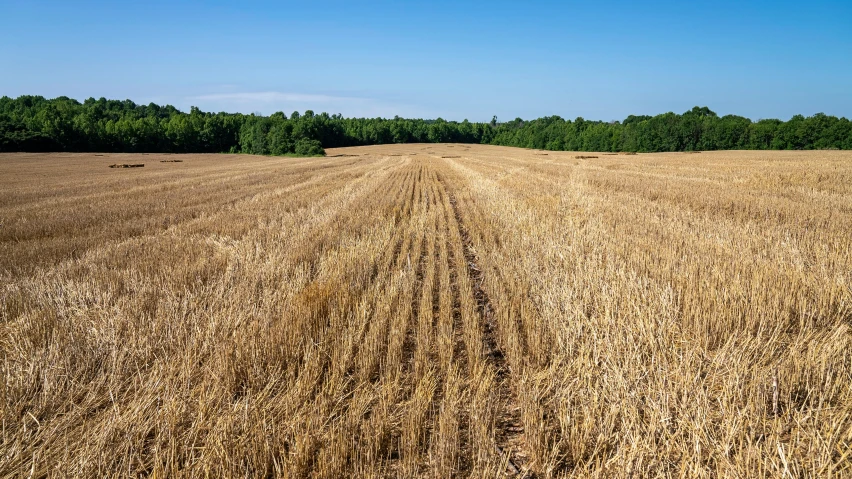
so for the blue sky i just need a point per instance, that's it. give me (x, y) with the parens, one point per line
(600, 60)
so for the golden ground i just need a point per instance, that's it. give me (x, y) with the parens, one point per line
(427, 310)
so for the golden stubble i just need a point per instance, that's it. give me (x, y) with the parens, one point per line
(427, 310)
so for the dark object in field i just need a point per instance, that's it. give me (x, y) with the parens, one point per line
(137, 165)
(692, 152)
(580, 157)
(627, 153)
(450, 157)
(541, 154)
(341, 155)
(171, 161)
(610, 154)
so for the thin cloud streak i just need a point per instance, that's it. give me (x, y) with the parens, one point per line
(275, 97)
(267, 102)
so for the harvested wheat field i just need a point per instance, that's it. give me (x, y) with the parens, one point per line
(417, 310)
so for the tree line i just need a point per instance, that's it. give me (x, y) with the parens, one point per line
(34, 123)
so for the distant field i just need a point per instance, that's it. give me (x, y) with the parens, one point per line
(427, 310)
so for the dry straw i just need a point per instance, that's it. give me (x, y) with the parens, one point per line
(496, 314)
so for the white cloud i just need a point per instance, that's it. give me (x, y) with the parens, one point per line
(267, 102)
(274, 97)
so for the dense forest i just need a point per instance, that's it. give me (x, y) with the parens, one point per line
(33, 123)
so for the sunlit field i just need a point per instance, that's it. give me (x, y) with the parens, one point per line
(427, 310)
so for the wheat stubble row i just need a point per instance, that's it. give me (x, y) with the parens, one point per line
(427, 310)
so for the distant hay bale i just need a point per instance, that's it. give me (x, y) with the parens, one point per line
(341, 155)
(581, 157)
(135, 165)
(171, 161)
(450, 157)
(692, 152)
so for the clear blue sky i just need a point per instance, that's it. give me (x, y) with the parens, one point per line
(600, 60)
